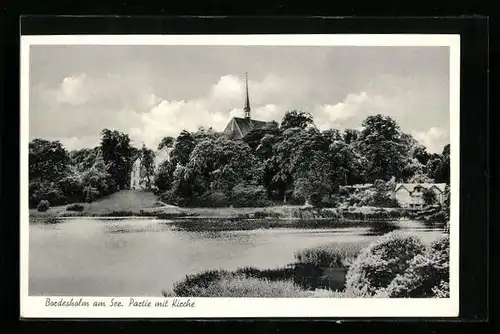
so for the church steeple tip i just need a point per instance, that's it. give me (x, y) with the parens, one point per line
(247, 101)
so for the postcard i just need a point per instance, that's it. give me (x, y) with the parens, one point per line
(236, 176)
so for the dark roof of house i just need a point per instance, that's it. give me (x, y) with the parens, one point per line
(410, 187)
(239, 127)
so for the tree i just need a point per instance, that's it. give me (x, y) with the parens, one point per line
(221, 164)
(166, 142)
(98, 179)
(296, 119)
(411, 168)
(384, 147)
(332, 135)
(429, 197)
(84, 158)
(420, 153)
(164, 176)
(147, 158)
(72, 185)
(443, 172)
(438, 166)
(350, 136)
(183, 147)
(346, 164)
(296, 149)
(254, 137)
(312, 183)
(48, 160)
(421, 178)
(117, 154)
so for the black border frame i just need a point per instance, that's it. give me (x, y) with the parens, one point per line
(474, 134)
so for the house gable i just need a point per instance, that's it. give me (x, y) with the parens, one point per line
(411, 194)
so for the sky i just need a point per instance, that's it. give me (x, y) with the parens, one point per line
(150, 92)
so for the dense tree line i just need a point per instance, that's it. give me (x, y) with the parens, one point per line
(294, 161)
(291, 161)
(61, 177)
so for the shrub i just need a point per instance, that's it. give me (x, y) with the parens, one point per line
(335, 255)
(211, 199)
(429, 197)
(51, 220)
(379, 195)
(249, 196)
(244, 282)
(427, 275)
(442, 290)
(43, 206)
(75, 207)
(194, 285)
(241, 286)
(447, 227)
(42, 190)
(72, 187)
(380, 262)
(279, 274)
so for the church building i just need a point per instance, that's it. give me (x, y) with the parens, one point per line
(238, 127)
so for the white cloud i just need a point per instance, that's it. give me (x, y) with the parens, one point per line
(86, 105)
(346, 109)
(434, 139)
(229, 88)
(74, 90)
(73, 143)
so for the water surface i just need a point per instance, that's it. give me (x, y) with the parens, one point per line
(142, 257)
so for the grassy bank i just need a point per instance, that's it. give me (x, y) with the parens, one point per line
(289, 213)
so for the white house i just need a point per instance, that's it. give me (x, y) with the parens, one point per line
(410, 195)
(137, 180)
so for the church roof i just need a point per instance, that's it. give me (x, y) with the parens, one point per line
(238, 127)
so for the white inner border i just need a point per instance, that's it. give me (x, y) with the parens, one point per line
(34, 307)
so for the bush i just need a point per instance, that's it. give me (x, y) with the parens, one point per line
(249, 196)
(42, 190)
(215, 199)
(248, 287)
(380, 262)
(194, 285)
(324, 201)
(43, 206)
(429, 197)
(51, 220)
(75, 207)
(379, 195)
(335, 255)
(72, 187)
(244, 282)
(225, 284)
(427, 276)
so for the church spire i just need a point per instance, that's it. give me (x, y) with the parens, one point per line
(247, 101)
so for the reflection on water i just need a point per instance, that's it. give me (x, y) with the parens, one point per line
(142, 257)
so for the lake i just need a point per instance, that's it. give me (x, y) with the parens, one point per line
(142, 257)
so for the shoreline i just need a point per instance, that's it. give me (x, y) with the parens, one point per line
(264, 215)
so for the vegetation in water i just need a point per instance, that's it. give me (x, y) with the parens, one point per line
(334, 255)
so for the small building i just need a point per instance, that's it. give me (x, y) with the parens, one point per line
(239, 127)
(137, 180)
(410, 195)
